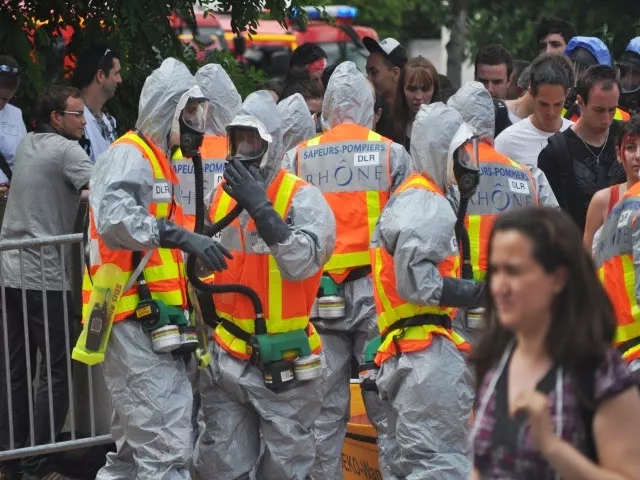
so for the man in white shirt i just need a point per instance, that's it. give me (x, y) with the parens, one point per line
(97, 75)
(549, 86)
(12, 128)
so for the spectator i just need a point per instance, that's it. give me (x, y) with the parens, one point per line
(554, 398)
(522, 106)
(514, 90)
(493, 68)
(582, 160)
(385, 61)
(51, 171)
(553, 35)
(419, 85)
(12, 128)
(326, 75)
(310, 57)
(549, 85)
(446, 89)
(602, 203)
(97, 75)
(310, 90)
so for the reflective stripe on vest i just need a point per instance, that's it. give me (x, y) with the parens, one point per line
(392, 308)
(620, 115)
(286, 304)
(614, 258)
(213, 152)
(504, 185)
(351, 166)
(164, 272)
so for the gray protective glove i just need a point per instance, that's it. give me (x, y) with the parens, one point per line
(210, 252)
(246, 187)
(457, 292)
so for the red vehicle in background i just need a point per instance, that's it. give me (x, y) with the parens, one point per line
(209, 35)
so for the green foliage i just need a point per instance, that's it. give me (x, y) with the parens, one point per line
(246, 80)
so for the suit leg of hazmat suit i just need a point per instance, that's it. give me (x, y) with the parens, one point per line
(249, 429)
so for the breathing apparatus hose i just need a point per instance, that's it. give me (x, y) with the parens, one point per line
(210, 231)
(462, 236)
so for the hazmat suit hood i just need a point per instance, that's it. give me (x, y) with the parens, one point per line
(438, 130)
(297, 122)
(224, 99)
(159, 98)
(193, 92)
(349, 98)
(474, 103)
(261, 105)
(594, 45)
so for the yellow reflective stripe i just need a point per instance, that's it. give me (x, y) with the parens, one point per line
(177, 155)
(627, 332)
(347, 260)
(223, 207)
(601, 275)
(128, 303)
(273, 326)
(416, 181)
(630, 352)
(373, 210)
(474, 242)
(386, 304)
(421, 332)
(374, 137)
(408, 310)
(618, 115)
(314, 141)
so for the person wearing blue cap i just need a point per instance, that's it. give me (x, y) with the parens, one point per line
(585, 52)
(629, 73)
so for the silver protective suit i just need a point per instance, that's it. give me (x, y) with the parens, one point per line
(298, 124)
(242, 416)
(474, 103)
(150, 392)
(348, 99)
(224, 99)
(427, 394)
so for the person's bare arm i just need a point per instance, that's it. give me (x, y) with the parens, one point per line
(475, 475)
(596, 216)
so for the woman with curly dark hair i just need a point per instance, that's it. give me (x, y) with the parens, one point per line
(554, 398)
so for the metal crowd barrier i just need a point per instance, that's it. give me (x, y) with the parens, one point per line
(82, 405)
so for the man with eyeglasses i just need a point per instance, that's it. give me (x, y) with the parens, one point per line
(97, 75)
(51, 170)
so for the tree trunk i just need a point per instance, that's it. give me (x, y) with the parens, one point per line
(455, 45)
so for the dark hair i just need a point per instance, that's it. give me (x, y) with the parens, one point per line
(273, 84)
(305, 54)
(596, 75)
(418, 70)
(583, 320)
(378, 101)
(446, 89)
(548, 25)
(7, 79)
(630, 128)
(326, 75)
(94, 58)
(494, 54)
(525, 78)
(53, 99)
(518, 67)
(550, 69)
(309, 89)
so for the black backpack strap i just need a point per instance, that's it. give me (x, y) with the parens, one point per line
(502, 117)
(4, 166)
(585, 378)
(564, 160)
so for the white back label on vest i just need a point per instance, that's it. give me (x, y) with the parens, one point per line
(519, 186)
(212, 170)
(161, 192)
(624, 218)
(366, 159)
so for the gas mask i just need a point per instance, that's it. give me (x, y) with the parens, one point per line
(466, 168)
(192, 122)
(245, 143)
(629, 75)
(582, 59)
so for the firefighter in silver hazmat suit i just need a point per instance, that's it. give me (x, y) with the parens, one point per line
(240, 412)
(150, 392)
(427, 393)
(349, 99)
(297, 122)
(224, 99)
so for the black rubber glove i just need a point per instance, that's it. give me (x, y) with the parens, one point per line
(246, 187)
(206, 249)
(457, 292)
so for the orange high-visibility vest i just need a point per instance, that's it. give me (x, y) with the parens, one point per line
(614, 257)
(504, 185)
(392, 308)
(286, 304)
(620, 115)
(350, 165)
(213, 152)
(164, 272)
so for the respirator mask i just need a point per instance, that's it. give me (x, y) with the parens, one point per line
(246, 144)
(192, 122)
(466, 168)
